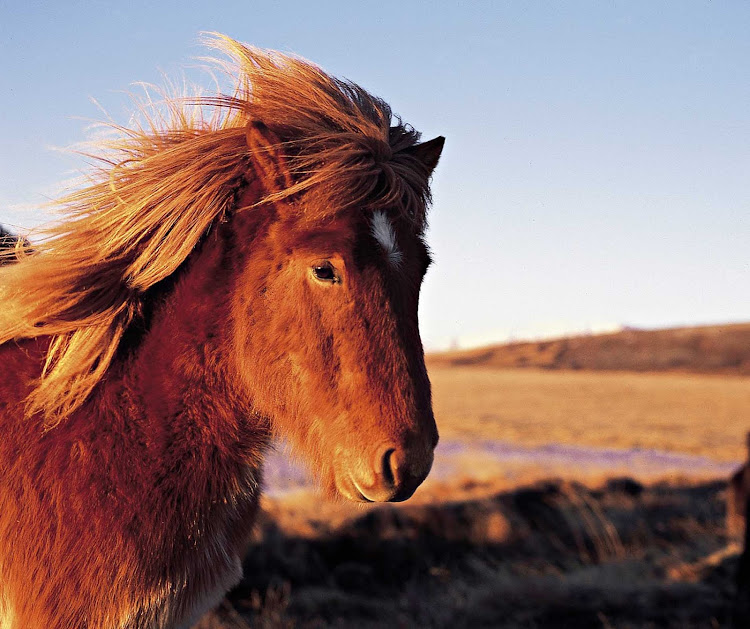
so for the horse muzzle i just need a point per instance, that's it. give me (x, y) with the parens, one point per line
(393, 476)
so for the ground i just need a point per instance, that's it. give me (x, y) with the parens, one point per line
(559, 498)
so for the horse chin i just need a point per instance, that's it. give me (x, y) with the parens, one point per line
(349, 488)
(346, 487)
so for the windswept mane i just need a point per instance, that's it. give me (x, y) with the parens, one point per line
(159, 187)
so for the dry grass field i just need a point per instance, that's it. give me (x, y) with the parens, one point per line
(531, 518)
(691, 413)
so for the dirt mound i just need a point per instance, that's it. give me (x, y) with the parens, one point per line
(706, 349)
(555, 554)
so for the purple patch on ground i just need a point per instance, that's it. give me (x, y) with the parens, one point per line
(281, 474)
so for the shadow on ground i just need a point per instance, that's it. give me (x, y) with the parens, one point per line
(555, 554)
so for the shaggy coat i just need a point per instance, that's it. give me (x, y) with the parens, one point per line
(239, 266)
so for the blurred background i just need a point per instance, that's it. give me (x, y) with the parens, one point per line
(590, 227)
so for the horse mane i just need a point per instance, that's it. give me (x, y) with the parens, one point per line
(158, 188)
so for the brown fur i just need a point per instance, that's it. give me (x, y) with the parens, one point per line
(155, 339)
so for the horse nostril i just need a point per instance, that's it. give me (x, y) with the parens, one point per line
(389, 467)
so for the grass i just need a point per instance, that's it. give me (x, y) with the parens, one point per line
(503, 545)
(554, 554)
(698, 414)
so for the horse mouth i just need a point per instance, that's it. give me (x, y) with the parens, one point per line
(385, 493)
(395, 476)
(361, 496)
(351, 490)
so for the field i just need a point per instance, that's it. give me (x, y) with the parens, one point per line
(559, 498)
(691, 413)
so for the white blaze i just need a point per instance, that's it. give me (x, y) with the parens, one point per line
(382, 231)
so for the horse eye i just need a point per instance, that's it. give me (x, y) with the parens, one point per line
(325, 273)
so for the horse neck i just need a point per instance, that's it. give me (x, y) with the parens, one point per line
(178, 378)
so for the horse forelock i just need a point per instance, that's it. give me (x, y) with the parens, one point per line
(161, 185)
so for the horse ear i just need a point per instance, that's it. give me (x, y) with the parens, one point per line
(428, 152)
(269, 163)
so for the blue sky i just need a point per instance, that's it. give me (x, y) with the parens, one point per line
(597, 156)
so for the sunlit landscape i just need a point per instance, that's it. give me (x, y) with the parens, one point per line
(585, 317)
(558, 498)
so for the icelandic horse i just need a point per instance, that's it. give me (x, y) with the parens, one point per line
(245, 266)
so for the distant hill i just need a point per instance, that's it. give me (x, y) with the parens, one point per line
(705, 349)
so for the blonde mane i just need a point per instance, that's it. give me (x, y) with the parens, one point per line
(158, 189)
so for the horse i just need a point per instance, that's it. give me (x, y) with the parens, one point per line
(238, 267)
(9, 241)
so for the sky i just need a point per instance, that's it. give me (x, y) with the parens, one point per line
(595, 172)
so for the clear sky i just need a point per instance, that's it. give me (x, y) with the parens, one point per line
(596, 165)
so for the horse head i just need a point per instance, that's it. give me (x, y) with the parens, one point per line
(326, 330)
